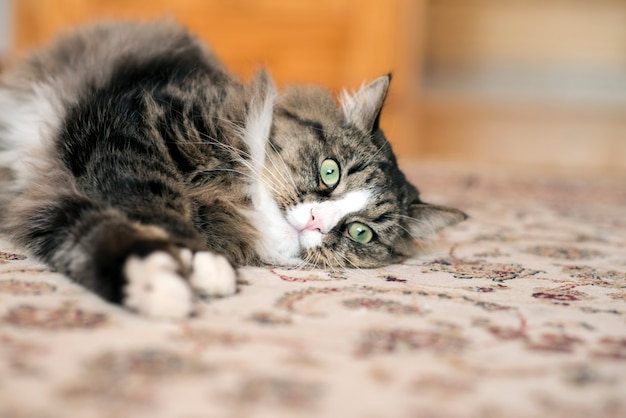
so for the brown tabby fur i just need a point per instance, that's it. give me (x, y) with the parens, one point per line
(126, 139)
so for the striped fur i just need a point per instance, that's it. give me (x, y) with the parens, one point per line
(132, 148)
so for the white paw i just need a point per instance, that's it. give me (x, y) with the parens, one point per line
(155, 288)
(212, 275)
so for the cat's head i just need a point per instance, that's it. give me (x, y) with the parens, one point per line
(337, 184)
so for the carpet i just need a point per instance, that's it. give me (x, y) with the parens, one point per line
(518, 312)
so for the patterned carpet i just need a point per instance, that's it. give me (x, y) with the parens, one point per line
(518, 312)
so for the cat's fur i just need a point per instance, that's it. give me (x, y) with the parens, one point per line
(145, 171)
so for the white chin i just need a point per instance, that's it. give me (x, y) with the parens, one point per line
(310, 239)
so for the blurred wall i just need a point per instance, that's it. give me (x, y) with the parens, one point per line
(539, 82)
(335, 43)
(6, 30)
(505, 82)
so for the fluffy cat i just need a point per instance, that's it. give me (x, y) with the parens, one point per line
(146, 172)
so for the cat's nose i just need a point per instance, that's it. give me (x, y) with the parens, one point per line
(314, 223)
(323, 218)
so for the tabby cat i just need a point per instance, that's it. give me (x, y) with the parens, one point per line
(146, 172)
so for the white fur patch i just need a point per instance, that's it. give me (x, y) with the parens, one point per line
(258, 125)
(155, 288)
(29, 122)
(326, 214)
(278, 241)
(212, 275)
(310, 239)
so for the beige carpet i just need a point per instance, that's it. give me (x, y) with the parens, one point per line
(518, 312)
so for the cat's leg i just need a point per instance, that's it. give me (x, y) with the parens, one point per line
(211, 274)
(160, 284)
(154, 286)
(152, 269)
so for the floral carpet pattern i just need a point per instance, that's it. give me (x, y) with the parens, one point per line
(518, 312)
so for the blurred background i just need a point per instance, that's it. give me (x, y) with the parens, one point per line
(535, 83)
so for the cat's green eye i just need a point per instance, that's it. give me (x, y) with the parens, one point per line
(360, 232)
(330, 173)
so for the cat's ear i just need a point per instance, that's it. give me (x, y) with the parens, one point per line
(430, 219)
(363, 107)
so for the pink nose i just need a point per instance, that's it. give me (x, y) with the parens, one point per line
(314, 223)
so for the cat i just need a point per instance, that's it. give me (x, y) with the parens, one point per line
(147, 173)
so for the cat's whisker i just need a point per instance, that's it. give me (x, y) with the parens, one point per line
(306, 259)
(318, 258)
(410, 219)
(301, 264)
(241, 156)
(233, 150)
(418, 241)
(286, 177)
(252, 175)
(326, 258)
(248, 175)
(257, 167)
(337, 263)
(426, 228)
(385, 144)
(257, 174)
(278, 176)
(407, 231)
(239, 153)
(326, 263)
(316, 263)
(287, 173)
(354, 266)
(232, 170)
(239, 129)
(397, 215)
(281, 181)
(207, 139)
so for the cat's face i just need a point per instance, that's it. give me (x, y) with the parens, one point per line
(337, 183)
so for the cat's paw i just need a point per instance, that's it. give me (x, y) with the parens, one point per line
(155, 287)
(212, 274)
